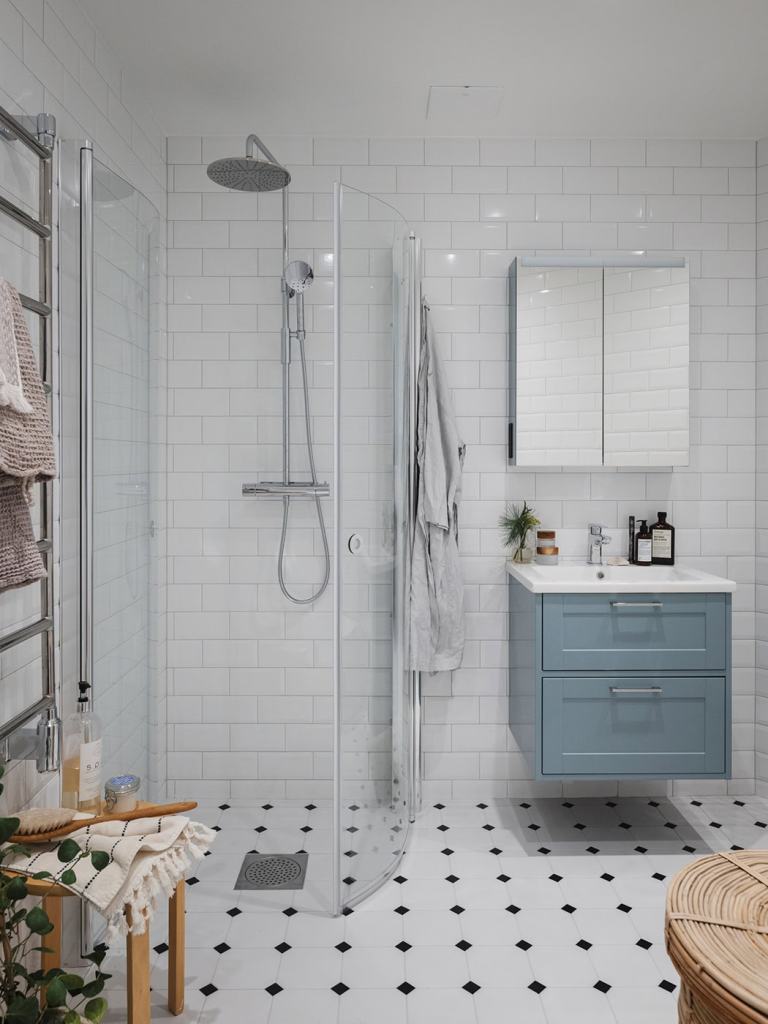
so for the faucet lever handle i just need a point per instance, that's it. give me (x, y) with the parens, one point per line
(596, 529)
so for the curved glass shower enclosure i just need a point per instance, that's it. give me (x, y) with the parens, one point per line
(376, 316)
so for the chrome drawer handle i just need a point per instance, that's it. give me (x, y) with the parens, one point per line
(636, 689)
(637, 604)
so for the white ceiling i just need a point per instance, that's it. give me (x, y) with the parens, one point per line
(663, 68)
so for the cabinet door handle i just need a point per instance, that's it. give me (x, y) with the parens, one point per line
(636, 689)
(637, 604)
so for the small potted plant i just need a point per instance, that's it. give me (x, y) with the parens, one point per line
(29, 996)
(516, 523)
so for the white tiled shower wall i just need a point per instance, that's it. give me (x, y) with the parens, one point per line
(249, 676)
(52, 60)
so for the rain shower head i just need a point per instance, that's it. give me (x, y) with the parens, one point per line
(298, 276)
(246, 173)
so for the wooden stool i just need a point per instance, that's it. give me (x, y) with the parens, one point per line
(139, 1011)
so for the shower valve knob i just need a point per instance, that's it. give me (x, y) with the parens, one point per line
(355, 543)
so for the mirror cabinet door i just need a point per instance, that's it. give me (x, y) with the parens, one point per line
(559, 375)
(646, 366)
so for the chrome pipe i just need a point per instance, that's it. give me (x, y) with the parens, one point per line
(85, 670)
(337, 897)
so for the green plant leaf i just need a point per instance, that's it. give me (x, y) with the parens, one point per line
(95, 1010)
(93, 988)
(68, 877)
(99, 859)
(16, 889)
(38, 922)
(72, 982)
(72, 1017)
(56, 993)
(67, 851)
(8, 827)
(22, 1010)
(96, 956)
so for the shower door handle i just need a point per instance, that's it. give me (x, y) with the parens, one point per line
(355, 544)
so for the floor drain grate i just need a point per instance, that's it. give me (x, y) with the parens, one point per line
(272, 871)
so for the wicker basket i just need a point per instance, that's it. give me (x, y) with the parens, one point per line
(717, 938)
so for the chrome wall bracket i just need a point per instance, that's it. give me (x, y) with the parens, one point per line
(41, 744)
(40, 126)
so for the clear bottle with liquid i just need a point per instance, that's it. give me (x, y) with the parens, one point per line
(81, 773)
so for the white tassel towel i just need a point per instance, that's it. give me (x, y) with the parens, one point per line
(148, 858)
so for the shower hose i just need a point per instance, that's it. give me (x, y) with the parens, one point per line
(287, 502)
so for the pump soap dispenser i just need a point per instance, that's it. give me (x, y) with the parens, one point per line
(81, 777)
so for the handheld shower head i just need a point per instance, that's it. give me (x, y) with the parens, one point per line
(298, 276)
(247, 174)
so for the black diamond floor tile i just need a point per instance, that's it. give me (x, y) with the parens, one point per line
(283, 947)
(274, 989)
(463, 945)
(403, 946)
(471, 987)
(222, 948)
(668, 986)
(602, 986)
(406, 988)
(343, 947)
(537, 987)
(340, 988)
(583, 944)
(208, 989)
(522, 944)
(643, 943)
(161, 947)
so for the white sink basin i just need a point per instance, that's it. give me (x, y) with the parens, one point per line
(578, 578)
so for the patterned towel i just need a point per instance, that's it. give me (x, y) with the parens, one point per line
(148, 858)
(11, 390)
(26, 439)
(20, 559)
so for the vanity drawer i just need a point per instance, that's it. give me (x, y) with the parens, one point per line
(663, 726)
(633, 632)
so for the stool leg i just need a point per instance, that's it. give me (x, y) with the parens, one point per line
(52, 907)
(138, 978)
(176, 940)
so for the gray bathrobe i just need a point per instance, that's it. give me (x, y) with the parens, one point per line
(437, 617)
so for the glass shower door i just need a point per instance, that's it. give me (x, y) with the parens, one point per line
(373, 250)
(125, 272)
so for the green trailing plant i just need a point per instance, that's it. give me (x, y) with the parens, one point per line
(36, 996)
(516, 523)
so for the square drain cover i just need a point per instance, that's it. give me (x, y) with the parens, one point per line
(272, 871)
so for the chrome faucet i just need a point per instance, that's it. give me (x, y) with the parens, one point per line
(597, 541)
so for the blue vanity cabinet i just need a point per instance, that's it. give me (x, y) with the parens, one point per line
(609, 685)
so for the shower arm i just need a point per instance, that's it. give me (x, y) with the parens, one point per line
(254, 140)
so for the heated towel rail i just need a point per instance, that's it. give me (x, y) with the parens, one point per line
(38, 134)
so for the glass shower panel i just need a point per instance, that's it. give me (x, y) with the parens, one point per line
(124, 251)
(372, 267)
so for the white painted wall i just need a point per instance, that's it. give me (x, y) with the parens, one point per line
(244, 682)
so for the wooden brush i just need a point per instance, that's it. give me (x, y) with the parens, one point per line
(35, 824)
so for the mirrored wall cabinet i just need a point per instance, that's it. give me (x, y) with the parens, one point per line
(598, 362)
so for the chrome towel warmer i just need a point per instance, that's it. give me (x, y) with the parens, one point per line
(38, 134)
